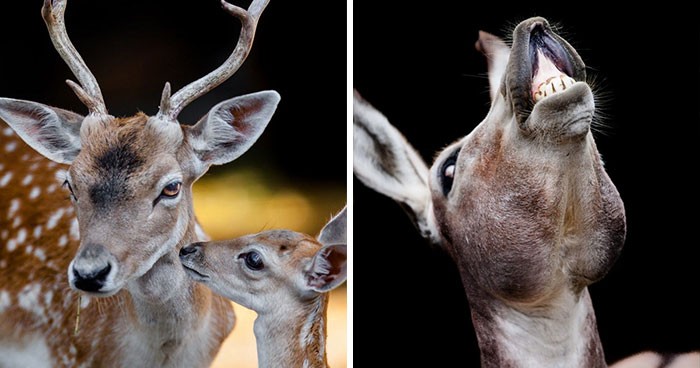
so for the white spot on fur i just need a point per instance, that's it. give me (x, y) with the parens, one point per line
(4, 234)
(52, 188)
(3, 263)
(16, 222)
(5, 179)
(21, 236)
(28, 249)
(51, 165)
(37, 231)
(34, 166)
(63, 240)
(53, 220)
(4, 300)
(74, 229)
(39, 253)
(11, 245)
(61, 175)
(34, 193)
(29, 300)
(25, 157)
(14, 206)
(8, 132)
(48, 297)
(11, 146)
(32, 351)
(27, 179)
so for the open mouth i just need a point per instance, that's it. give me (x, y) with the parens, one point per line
(553, 69)
(196, 275)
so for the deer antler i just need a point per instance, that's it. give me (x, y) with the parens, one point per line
(88, 91)
(170, 107)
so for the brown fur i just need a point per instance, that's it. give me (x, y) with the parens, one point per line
(42, 262)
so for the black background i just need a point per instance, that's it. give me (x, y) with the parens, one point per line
(134, 47)
(417, 65)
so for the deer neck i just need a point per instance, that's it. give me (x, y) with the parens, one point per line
(167, 311)
(561, 334)
(294, 336)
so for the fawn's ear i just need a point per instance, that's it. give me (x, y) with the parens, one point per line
(328, 268)
(384, 161)
(231, 127)
(497, 53)
(335, 231)
(53, 132)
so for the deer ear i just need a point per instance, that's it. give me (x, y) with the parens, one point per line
(497, 53)
(328, 268)
(335, 231)
(53, 132)
(231, 127)
(384, 161)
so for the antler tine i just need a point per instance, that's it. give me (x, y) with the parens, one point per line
(249, 20)
(88, 91)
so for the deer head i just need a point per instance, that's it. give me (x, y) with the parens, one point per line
(130, 178)
(522, 203)
(278, 267)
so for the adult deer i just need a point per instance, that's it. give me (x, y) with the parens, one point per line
(130, 183)
(522, 204)
(285, 277)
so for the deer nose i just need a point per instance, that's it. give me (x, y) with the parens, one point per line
(91, 268)
(190, 249)
(91, 282)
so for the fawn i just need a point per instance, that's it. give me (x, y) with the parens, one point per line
(283, 276)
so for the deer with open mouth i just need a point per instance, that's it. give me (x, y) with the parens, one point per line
(522, 204)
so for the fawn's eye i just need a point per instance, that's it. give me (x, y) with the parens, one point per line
(447, 173)
(253, 260)
(72, 195)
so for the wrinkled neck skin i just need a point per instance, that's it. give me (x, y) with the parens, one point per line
(560, 334)
(293, 335)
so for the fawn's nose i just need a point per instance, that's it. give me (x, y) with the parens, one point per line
(190, 249)
(91, 268)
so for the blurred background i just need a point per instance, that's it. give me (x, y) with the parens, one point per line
(294, 176)
(418, 65)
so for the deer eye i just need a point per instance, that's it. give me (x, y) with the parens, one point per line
(447, 173)
(171, 190)
(253, 260)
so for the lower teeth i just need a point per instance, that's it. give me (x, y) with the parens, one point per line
(553, 85)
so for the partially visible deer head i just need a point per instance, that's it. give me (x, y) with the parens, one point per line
(130, 178)
(522, 203)
(285, 277)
